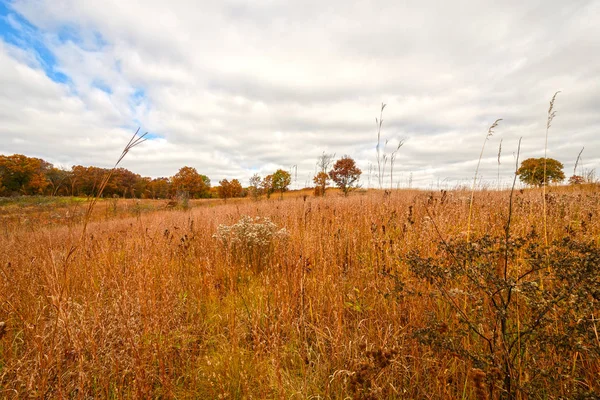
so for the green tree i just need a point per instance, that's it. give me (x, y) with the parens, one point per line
(345, 174)
(281, 181)
(531, 171)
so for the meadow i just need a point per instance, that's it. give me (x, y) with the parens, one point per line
(374, 295)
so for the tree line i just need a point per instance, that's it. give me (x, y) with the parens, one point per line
(22, 175)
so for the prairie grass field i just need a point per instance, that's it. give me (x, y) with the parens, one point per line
(374, 295)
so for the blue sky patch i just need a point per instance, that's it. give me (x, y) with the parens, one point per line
(139, 95)
(17, 31)
(101, 85)
(92, 41)
(151, 136)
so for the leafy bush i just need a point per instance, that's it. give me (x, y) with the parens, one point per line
(513, 307)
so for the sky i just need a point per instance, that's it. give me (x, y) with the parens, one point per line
(233, 88)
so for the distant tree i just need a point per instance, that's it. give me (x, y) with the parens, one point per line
(189, 180)
(236, 188)
(123, 183)
(345, 174)
(37, 184)
(320, 181)
(531, 171)
(224, 189)
(57, 179)
(324, 161)
(254, 187)
(281, 181)
(267, 185)
(141, 187)
(321, 178)
(23, 175)
(86, 180)
(159, 188)
(20, 174)
(228, 189)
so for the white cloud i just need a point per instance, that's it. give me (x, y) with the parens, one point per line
(236, 87)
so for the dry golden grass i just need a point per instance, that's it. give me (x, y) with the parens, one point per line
(153, 306)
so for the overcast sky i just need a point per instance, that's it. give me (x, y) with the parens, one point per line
(234, 88)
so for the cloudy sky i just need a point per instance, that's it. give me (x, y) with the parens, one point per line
(236, 87)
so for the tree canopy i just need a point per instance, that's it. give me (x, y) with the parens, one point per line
(320, 180)
(229, 189)
(189, 180)
(22, 175)
(345, 174)
(531, 171)
(281, 180)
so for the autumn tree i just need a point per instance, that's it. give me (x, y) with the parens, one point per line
(224, 189)
(531, 171)
(267, 185)
(159, 188)
(190, 181)
(23, 175)
(281, 181)
(228, 189)
(236, 188)
(321, 178)
(141, 187)
(320, 181)
(57, 179)
(123, 183)
(85, 181)
(254, 187)
(345, 174)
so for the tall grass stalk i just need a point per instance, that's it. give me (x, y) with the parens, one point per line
(518, 273)
(134, 141)
(392, 160)
(551, 114)
(379, 123)
(577, 161)
(499, 153)
(487, 136)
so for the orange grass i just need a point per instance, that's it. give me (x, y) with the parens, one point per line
(154, 307)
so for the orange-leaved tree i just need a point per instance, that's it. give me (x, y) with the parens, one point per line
(320, 181)
(190, 181)
(23, 175)
(229, 189)
(345, 174)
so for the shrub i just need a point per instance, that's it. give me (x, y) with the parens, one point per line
(516, 307)
(250, 240)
